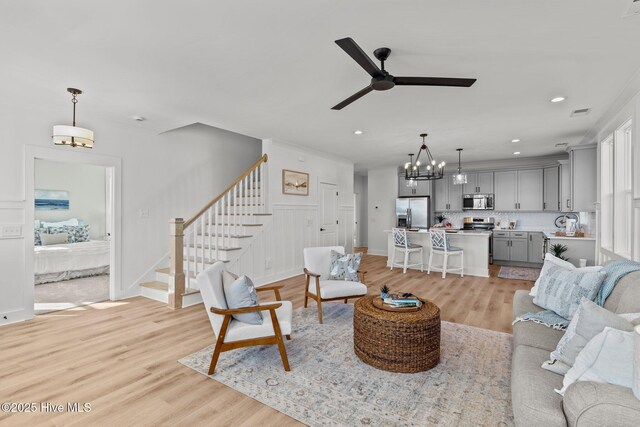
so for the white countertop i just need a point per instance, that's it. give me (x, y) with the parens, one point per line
(551, 235)
(452, 233)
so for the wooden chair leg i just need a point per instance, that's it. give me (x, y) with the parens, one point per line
(289, 337)
(306, 298)
(219, 342)
(345, 300)
(319, 310)
(278, 333)
(306, 291)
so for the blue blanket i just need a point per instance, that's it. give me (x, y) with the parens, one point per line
(614, 271)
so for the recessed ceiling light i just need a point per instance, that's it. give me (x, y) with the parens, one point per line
(515, 140)
(357, 132)
(516, 153)
(557, 99)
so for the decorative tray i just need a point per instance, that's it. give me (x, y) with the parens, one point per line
(378, 303)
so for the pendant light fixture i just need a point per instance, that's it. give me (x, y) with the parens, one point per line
(459, 178)
(416, 171)
(72, 135)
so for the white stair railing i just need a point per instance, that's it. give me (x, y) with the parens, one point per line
(202, 239)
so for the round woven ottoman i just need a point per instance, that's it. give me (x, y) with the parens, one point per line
(395, 341)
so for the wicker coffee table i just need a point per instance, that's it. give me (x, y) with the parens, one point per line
(396, 342)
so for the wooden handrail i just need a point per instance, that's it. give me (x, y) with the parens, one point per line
(261, 160)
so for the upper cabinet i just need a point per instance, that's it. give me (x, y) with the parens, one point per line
(479, 183)
(423, 188)
(519, 190)
(583, 178)
(565, 186)
(448, 195)
(552, 189)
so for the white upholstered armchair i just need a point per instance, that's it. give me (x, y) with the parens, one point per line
(317, 265)
(231, 333)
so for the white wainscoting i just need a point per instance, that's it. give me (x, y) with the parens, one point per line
(276, 252)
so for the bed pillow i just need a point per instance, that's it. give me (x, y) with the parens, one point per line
(553, 261)
(37, 241)
(240, 292)
(561, 290)
(589, 320)
(71, 221)
(53, 239)
(77, 233)
(607, 358)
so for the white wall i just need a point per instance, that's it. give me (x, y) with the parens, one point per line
(295, 222)
(381, 200)
(168, 175)
(360, 188)
(86, 187)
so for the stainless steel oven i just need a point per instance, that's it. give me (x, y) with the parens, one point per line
(477, 202)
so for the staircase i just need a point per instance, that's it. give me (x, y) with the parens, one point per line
(222, 230)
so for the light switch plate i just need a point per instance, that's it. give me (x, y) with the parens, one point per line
(9, 231)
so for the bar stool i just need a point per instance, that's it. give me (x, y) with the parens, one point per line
(401, 244)
(440, 245)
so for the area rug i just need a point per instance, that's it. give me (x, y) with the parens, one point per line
(519, 273)
(328, 385)
(67, 294)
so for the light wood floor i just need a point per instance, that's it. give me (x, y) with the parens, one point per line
(122, 356)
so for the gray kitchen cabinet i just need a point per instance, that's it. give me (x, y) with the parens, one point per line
(501, 248)
(583, 178)
(506, 189)
(422, 188)
(565, 186)
(519, 250)
(448, 195)
(479, 183)
(518, 190)
(536, 248)
(551, 189)
(530, 195)
(511, 246)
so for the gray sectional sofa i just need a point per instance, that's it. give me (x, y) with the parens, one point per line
(585, 403)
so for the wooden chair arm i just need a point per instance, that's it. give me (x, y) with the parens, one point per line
(362, 274)
(232, 311)
(274, 288)
(308, 273)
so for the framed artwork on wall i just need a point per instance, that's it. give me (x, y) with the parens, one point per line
(51, 200)
(295, 183)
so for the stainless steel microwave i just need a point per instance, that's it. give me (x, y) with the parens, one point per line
(477, 202)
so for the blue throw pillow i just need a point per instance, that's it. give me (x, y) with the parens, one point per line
(345, 267)
(561, 290)
(239, 293)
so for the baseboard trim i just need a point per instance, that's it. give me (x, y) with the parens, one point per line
(15, 316)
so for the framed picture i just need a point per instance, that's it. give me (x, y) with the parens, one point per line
(50, 200)
(295, 183)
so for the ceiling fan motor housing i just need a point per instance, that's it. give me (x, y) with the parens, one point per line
(382, 82)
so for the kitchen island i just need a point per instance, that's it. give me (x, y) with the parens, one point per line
(474, 243)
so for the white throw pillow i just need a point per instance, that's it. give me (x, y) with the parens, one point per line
(53, 239)
(607, 358)
(553, 261)
(589, 320)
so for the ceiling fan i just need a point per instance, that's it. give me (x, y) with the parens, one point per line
(381, 79)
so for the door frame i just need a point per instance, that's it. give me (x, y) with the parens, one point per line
(113, 168)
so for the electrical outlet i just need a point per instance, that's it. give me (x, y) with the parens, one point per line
(267, 263)
(143, 213)
(11, 231)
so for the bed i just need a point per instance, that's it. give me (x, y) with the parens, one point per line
(54, 263)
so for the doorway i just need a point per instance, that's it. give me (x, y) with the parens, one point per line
(71, 237)
(328, 214)
(102, 233)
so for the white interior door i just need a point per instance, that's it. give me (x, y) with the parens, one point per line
(328, 214)
(357, 219)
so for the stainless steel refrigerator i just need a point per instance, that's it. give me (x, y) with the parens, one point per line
(413, 212)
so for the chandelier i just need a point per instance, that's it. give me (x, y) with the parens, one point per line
(418, 171)
(459, 178)
(73, 136)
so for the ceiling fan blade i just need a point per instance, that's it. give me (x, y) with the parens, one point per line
(433, 81)
(352, 98)
(358, 55)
